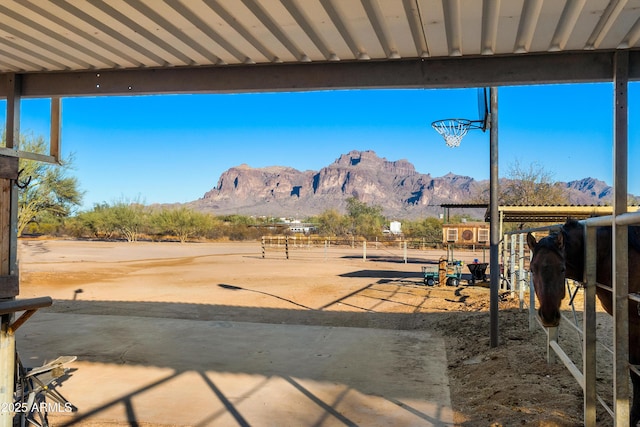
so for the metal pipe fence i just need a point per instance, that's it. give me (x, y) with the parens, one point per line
(586, 375)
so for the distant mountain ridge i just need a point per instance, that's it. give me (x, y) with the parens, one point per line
(396, 186)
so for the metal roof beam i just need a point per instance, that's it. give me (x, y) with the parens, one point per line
(340, 23)
(234, 23)
(453, 26)
(268, 21)
(490, 20)
(307, 25)
(528, 25)
(372, 8)
(481, 71)
(176, 32)
(412, 9)
(608, 17)
(566, 24)
(120, 41)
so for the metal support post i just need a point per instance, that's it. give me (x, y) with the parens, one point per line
(589, 329)
(512, 265)
(521, 275)
(532, 306)
(494, 223)
(620, 259)
(552, 336)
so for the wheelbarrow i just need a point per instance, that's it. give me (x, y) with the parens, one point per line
(478, 271)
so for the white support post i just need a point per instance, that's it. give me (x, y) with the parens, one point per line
(589, 328)
(552, 336)
(512, 265)
(326, 245)
(521, 276)
(364, 250)
(405, 251)
(505, 258)
(532, 305)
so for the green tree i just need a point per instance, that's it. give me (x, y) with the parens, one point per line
(128, 219)
(429, 229)
(332, 223)
(45, 188)
(184, 223)
(366, 221)
(96, 222)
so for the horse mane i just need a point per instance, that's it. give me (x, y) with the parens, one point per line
(571, 225)
(572, 232)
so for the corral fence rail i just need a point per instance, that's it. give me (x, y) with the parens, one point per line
(586, 375)
(309, 246)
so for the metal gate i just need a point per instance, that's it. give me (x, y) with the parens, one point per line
(586, 375)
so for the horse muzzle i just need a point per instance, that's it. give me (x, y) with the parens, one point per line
(549, 320)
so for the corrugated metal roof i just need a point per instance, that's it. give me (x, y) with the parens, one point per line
(67, 35)
(541, 213)
(552, 213)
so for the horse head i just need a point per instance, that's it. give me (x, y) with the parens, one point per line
(548, 272)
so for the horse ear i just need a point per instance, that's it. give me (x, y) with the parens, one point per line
(531, 241)
(560, 240)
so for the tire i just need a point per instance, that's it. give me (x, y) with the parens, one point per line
(429, 282)
(453, 281)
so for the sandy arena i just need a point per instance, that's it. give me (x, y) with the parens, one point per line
(212, 334)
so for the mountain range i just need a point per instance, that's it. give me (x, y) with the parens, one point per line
(396, 186)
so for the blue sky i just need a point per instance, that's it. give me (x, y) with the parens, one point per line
(164, 149)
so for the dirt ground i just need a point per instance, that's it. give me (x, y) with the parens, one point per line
(331, 286)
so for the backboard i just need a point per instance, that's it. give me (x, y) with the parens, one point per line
(483, 107)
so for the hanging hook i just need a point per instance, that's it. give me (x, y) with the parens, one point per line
(22, 184)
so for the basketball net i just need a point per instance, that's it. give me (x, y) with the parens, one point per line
(452, 130)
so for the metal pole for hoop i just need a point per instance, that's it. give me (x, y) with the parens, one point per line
(453, 130)
(494, 238)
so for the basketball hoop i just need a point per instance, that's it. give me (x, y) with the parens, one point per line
(453, 130)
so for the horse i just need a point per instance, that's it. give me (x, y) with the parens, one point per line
(560, 256)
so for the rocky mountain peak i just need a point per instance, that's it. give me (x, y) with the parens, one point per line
(396, 186)
(369, 160)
